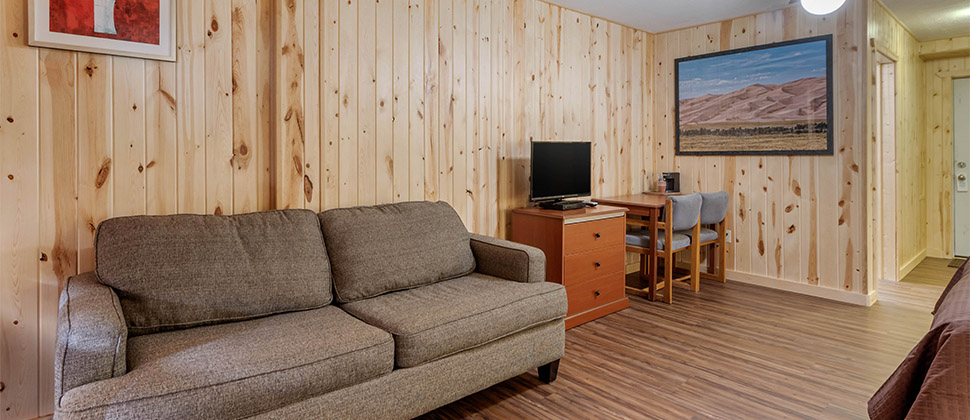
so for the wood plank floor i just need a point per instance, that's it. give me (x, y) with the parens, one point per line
(731, 351)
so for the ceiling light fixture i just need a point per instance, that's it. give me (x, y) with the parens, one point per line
(822, 7)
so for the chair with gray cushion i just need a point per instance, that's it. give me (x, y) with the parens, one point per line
(681, 213)
(713, 213)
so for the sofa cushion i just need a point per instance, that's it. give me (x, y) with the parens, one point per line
(238, 369)
(444, 318)
(181, 271)
(391, 247)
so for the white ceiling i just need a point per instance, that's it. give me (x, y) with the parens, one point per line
(933, 19)
(657, 16)
(927, 19)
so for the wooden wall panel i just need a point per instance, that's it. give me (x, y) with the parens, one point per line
(266, 120)
(276, 104)
(161, 144)
(347, 120)
(938, 115)
(305, 104)
(290, 124)
(330, 103)
(190, 104)
(384, 130)
(400, 103)
(783, 208)
(19, 224)
(218, 108)
(128, 130)
(892, 39)
(366, 103)
(245, 129)
(58, 207)
(312, 126)
(94, 137)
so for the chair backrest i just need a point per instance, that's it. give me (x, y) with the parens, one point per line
(714, 207)
(686, 211)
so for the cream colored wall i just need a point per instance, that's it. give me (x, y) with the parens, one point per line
(892, 39)
(938, 137)
(799, 222)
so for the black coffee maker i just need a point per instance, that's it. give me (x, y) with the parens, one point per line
(673, 181)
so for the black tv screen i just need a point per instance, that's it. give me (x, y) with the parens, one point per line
(560, 169)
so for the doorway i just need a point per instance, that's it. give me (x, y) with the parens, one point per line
(886, 264)
(961, 167)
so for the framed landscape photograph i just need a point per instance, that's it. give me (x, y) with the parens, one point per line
(133, 28)
(773, 99)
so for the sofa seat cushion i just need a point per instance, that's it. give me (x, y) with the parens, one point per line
(238, 369)
(185, 270)
(444, 318)
(380, 249)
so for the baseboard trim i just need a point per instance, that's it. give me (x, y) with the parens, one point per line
(908, 267)
(804, 288)
(790, 286)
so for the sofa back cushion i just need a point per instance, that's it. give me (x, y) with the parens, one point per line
(181, 271)
(380, 249)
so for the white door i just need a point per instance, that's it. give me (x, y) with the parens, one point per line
(961, 167)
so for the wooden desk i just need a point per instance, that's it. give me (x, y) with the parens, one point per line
(585, 251)
(637, 204)
(649, 206)
(665, 194)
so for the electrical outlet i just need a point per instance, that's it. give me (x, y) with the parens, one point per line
(727, 236)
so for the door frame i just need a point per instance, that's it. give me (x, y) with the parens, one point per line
(886, 261)
(952, 145)
(947, 102)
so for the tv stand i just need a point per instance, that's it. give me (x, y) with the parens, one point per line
(562, 205)
(585, 251)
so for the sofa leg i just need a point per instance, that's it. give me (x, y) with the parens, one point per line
(548, 372)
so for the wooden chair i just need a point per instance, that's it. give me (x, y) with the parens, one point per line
(680, 213)
(713, 212)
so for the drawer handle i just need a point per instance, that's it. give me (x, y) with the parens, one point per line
(597, 293)
(597, 235)
(598, 264)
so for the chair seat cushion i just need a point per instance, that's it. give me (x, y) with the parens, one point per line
(641, 238)
(444, 318)
(706, 235)
(239, 369)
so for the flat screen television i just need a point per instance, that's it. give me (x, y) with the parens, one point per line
(560, 169)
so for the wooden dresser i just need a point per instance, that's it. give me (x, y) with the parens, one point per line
(585, 251)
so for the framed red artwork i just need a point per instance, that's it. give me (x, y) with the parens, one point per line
(133, 28)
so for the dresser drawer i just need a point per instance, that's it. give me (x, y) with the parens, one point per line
(587, 236)
(591, 264)
(590, 294)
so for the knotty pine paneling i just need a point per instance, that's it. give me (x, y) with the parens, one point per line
(909, 207)
(798, 219)
(295, 104)
(937, 89)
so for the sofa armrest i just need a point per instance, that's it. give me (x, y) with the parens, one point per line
(508, 260)
(91, 335)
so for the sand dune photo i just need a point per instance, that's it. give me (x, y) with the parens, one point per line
(765, 100)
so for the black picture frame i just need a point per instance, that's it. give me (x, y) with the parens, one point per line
(830, 104)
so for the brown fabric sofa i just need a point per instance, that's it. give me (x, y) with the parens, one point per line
(369, 312)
